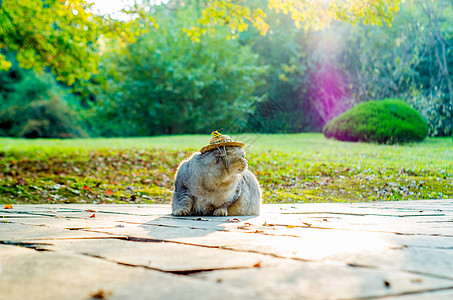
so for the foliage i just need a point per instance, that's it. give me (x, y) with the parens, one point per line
(61, 35)
(49, 118)
(410, 60)
(384, 121)
(285, 50)
(36, 106)
(165, 83)
(237, 15)
(291, 168)
(289, 80)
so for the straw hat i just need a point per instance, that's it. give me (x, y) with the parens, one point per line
(220, 140)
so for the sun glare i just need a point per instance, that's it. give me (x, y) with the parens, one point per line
(113, 7)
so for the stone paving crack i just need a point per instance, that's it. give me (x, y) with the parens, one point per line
(176, 272)
(137, 239)
(419, 292)
(354, 265)
(363, 215)
(34, 246)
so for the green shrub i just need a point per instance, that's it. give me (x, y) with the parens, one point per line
(35, 106)
(50, 118)
(385, 121)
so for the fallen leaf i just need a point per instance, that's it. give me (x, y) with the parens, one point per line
(103, 202)
(290, 226)
(20, 181)
(8, 206)
(109, 192)
(243, 227)
(267, 224)
(257, 265)
(416, 280)
(235, 220)
(101, 294)
(201, 219)
(86, 188)
(93, 215)
(258, 231)
(90, 210)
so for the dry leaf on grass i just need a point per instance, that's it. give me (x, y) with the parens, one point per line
(8, 206)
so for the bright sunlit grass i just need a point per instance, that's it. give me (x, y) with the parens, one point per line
(290, 167)
(433, 153)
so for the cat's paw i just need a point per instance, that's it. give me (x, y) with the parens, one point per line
(181, 211)
(220, 212)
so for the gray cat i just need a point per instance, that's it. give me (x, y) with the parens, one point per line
(216, 182)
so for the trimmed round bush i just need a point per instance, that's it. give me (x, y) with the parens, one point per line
(384, 121)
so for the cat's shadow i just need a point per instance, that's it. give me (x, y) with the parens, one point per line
(175, 227)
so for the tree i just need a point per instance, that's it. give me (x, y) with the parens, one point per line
(237, 15)
(35, 105)
(410, 60)
(64, 35)
(164, 83)
(60, 35)
(285, 49)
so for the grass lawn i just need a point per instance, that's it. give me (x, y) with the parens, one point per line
(290, 167)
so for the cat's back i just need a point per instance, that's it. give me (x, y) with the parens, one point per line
(250, 183)
(188, 168)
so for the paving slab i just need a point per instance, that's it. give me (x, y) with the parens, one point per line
(299, 280)
(164, 256)
(395, 250)
(20, 232)
(27, 274)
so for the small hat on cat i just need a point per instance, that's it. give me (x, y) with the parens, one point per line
(220, 140)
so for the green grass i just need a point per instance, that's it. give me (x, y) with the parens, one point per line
(290, 167)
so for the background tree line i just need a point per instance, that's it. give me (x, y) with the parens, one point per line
(290, 80)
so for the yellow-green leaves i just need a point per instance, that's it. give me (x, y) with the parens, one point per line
(61, 35)
(238, 15)
(4, 64)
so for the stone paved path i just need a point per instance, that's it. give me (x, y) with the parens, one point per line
(391, 250)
